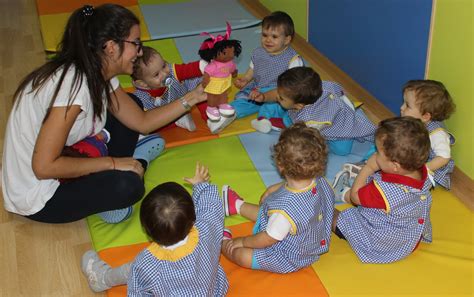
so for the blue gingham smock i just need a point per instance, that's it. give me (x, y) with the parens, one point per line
(192, 269)
(310, 213)
(267, 68)
(174, 90)
(390, 234)
(442, 176)
(335, 119)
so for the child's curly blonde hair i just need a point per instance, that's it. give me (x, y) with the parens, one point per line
(431, 97)
(301, 152)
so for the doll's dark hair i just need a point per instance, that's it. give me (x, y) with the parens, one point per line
(301, 152)
(431, 97)
(211, 53)
(404, 140)
(167, 213)
(301, 84)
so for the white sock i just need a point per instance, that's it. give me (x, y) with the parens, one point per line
(238, 205)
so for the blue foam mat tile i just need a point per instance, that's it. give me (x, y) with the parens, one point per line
(170, 20)
(258, 147)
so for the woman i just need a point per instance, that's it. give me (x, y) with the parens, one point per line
(68, 99)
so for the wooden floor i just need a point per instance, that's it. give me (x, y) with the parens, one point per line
(43, 260)
(36, 259)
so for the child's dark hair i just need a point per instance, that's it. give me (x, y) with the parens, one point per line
(167, 213)
(404, 140)
(82, 48)
(301, 84)
(301, 152)
(211, 53)
(148, 53)
(431, 97)
(280, 18)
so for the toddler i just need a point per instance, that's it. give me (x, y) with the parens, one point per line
(293, 221)
(429, 101)
(391, 195)
(183, 259)
(321, 105)
(267, 62)
(158, 83)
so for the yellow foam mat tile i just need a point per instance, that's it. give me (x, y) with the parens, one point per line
(442, 268)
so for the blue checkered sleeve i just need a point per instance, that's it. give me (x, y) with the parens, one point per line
(136, 279)
(207, 202)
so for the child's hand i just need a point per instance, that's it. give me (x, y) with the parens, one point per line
(256, 96)
(197, 95)
(241, 82)
(201, 175)
(228, 246)
(205, 79)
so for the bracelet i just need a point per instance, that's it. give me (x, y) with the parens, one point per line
(185, 104)
(113, 162)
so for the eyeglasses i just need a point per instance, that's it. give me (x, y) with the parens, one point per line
(137, 43)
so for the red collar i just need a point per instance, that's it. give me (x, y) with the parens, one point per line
(405, 180)
(156, 92)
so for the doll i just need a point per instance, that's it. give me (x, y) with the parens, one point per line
(219, 51)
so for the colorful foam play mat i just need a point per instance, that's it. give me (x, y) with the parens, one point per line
(241, 157)
(159, 19)
(443, 268)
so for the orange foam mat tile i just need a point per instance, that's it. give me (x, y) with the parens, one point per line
(242, 281)
(177, 136)
(247, 282)
(62, 6)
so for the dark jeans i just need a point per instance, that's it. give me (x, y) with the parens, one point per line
(101, 191)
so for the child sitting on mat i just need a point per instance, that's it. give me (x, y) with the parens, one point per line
(391, 195)
(183, 259)
(321, 105)
(429, 101)
(267, 62)
(158, 83)
(293, 221)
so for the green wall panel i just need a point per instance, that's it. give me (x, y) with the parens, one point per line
(451, 62)
(297, 9)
